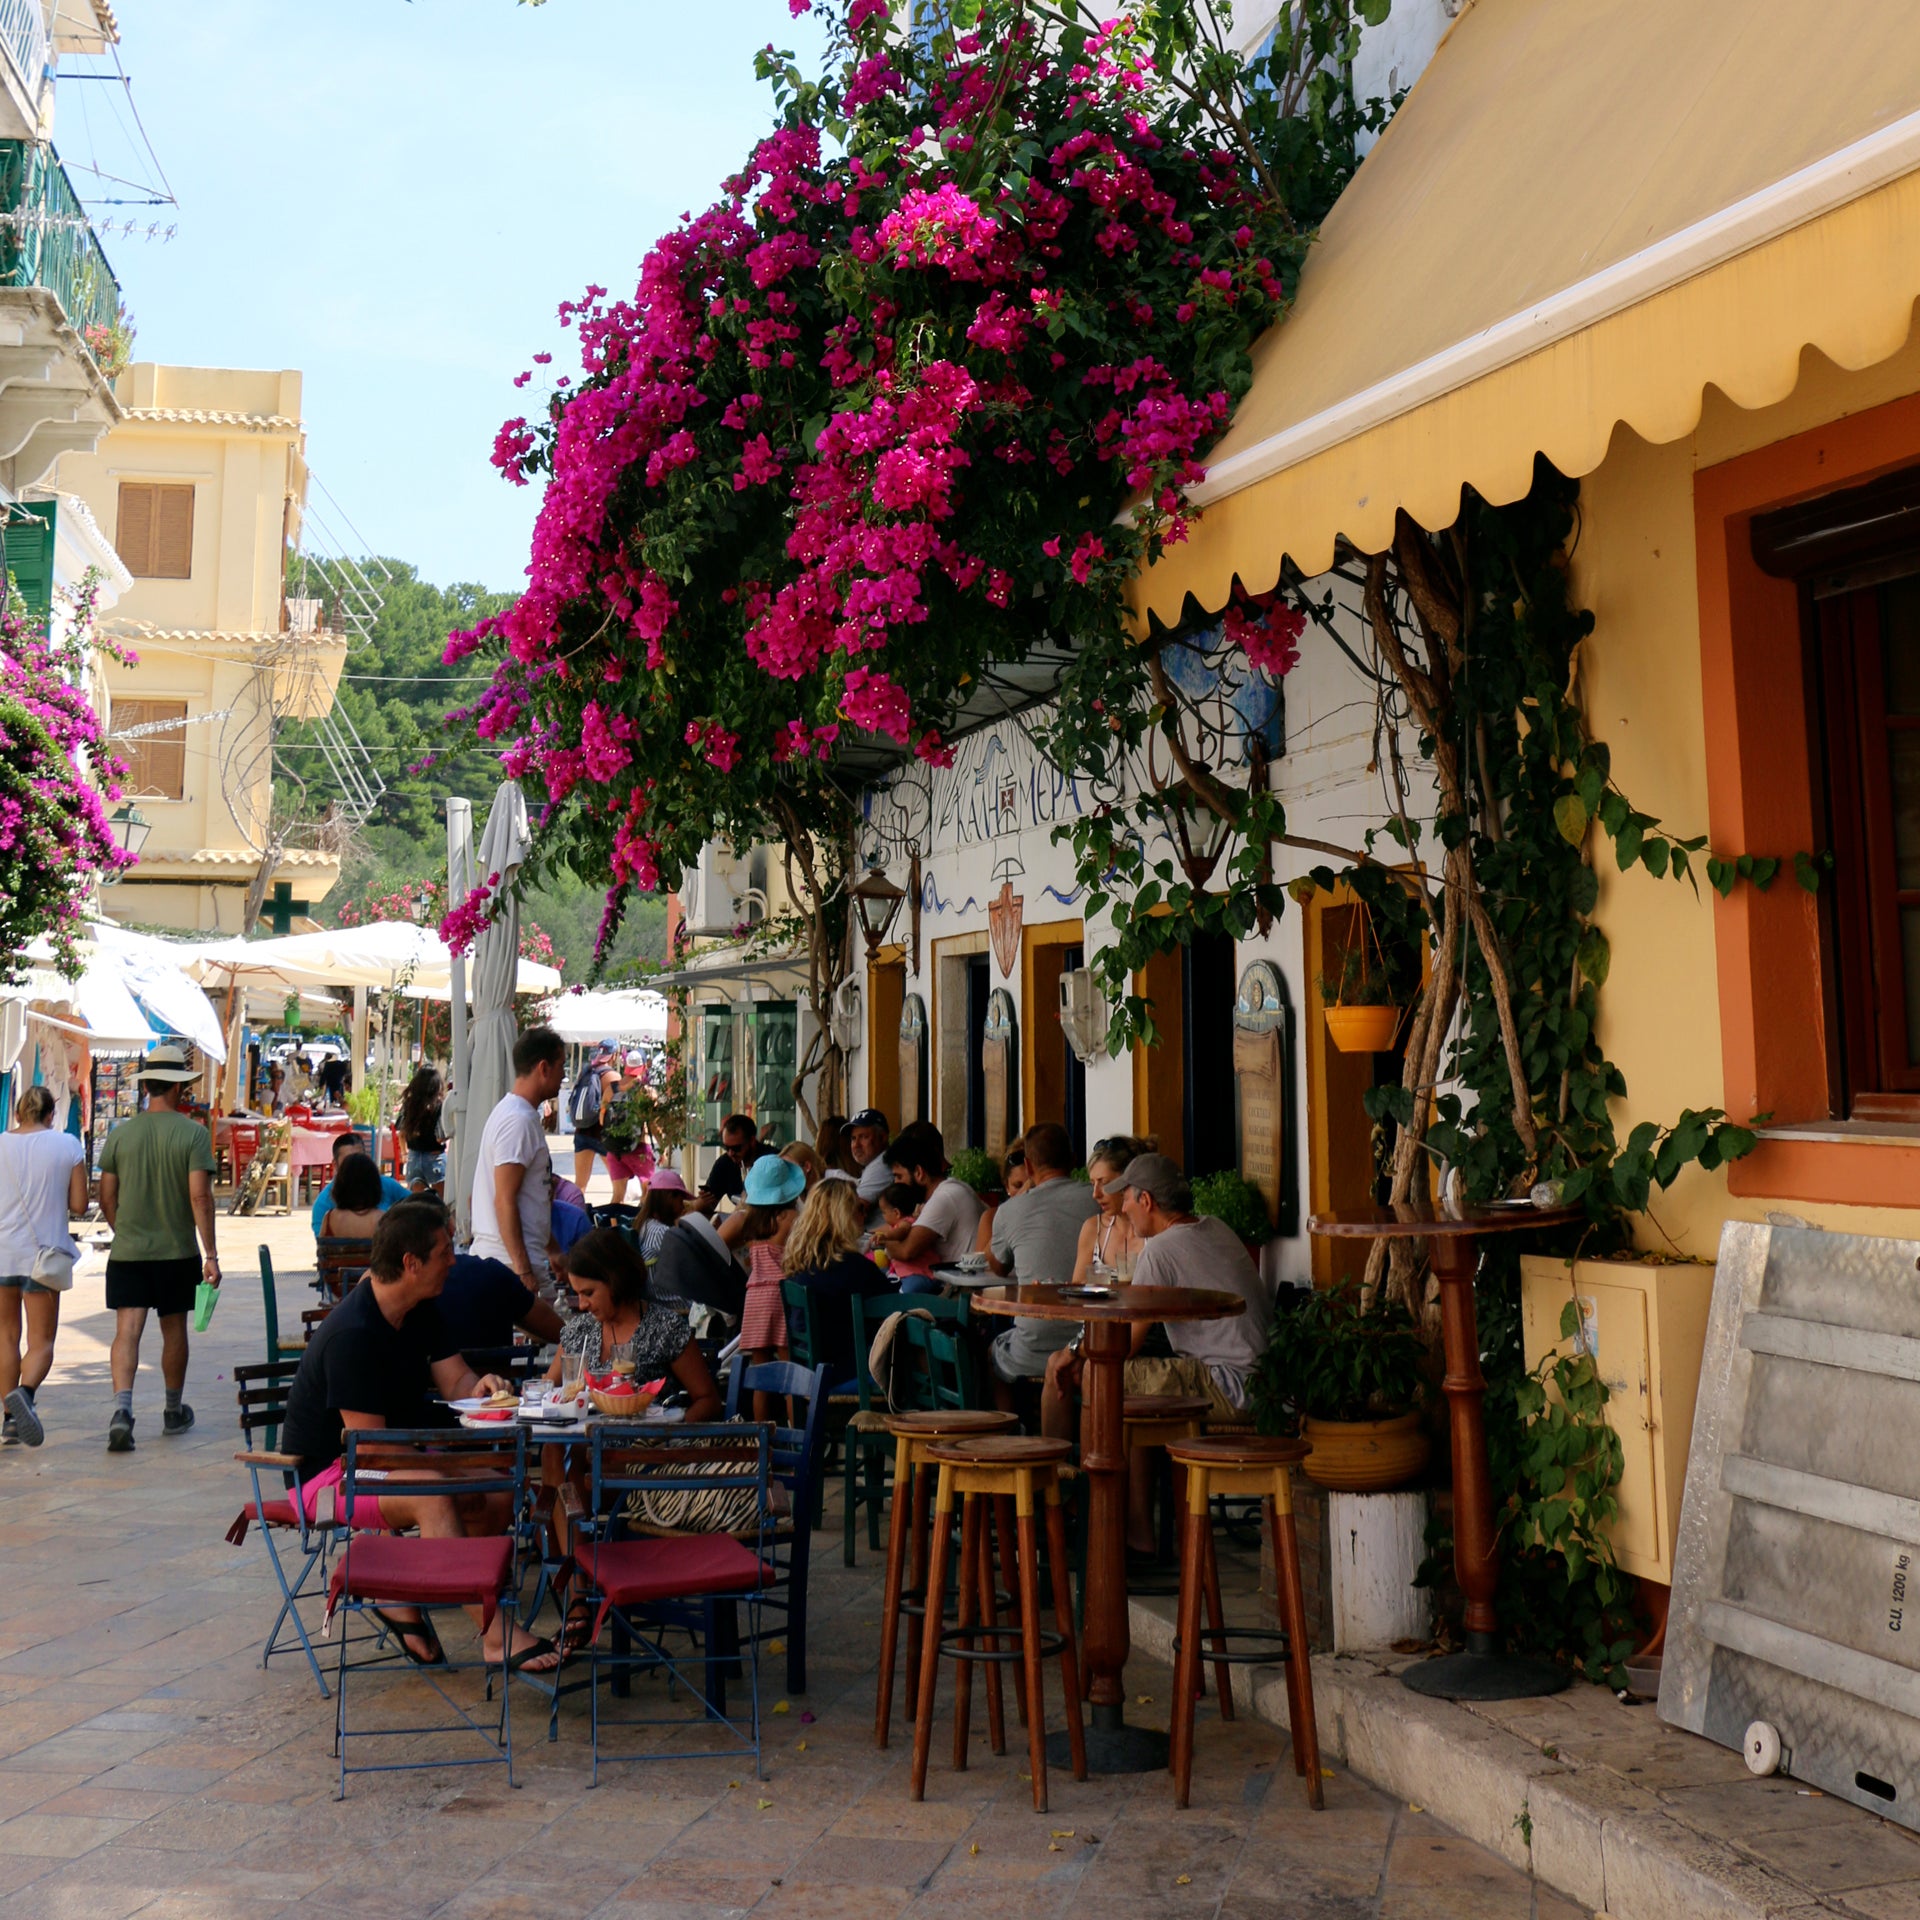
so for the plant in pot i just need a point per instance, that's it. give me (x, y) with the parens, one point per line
(976, 1168)
(1349, 1378)
(1230, 1196)
(1365, 1004)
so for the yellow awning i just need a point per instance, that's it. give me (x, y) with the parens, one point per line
(1585, 212)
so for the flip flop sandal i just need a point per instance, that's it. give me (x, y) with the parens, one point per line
(421, 1629)
(532, 1651)
(578, 1630)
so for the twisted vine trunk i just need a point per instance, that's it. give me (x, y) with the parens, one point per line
(817, 866)
(1440, 596)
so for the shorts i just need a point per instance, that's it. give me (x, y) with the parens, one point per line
(590, 1143)
(1174, 1375)
(423, 1165)
(27, 1284)
(162, 1286)
(366, 1507)
(1022, 1352)
(630, 1166)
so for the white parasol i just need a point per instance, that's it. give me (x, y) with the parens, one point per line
(495, 955)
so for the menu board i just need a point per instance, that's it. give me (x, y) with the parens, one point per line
(1256, 1066)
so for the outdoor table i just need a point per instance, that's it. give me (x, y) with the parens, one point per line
(1482, 1672)
(1112, 1745)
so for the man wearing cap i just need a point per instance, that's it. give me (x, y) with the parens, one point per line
(156, 1191)
(866, 1137)
(1179, 1249)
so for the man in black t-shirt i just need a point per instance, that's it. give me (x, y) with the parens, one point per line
(484, 1300)
(727, 1177)
(378, 1360)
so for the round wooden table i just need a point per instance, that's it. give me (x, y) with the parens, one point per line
(1112, 1745)
(1482, 1672)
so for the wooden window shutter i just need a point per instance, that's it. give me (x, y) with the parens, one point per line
(173, 533)
(155, 536)
(134, 537)
(156, 763)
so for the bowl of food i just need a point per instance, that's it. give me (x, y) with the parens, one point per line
(616, 1392)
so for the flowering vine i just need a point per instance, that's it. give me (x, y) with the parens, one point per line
(56, 777)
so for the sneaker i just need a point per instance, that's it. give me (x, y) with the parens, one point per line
(120, 1432)
(172, 1423)
(23, 1423)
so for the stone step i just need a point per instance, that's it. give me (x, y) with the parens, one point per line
(1629, 1848)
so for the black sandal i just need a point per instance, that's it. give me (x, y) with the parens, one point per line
(421, 1629)
(532, 1651)
(579, 1628)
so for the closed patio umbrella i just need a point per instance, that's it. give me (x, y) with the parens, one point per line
(495, 953)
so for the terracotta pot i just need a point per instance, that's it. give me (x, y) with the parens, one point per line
(1363, 1029)
(1365, 1456)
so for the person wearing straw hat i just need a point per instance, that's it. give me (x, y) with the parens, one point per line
(156, 1191)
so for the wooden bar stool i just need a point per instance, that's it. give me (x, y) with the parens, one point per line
(1147, 1422)
(1256, 1467)
(972, 1473)
(906, 1582)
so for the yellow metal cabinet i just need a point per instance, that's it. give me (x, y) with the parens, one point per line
(1646, 1325)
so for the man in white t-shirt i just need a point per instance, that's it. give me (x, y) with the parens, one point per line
(43, 1180)
(948, 1221)
(513, 1167)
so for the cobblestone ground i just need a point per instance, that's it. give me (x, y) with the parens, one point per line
(149, 1766)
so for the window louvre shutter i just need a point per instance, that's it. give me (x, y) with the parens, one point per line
(173, 533)
(156, 762)
(155, 537)
(134, 537)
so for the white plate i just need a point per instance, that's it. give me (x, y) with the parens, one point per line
(486, 1426)
(470, 1405)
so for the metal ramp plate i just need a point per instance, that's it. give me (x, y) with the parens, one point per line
(1796, 1597)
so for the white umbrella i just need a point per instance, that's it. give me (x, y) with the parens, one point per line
(490, 1069)
(616, 1014)
(460, 1142)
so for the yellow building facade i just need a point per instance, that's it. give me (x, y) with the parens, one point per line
(201, 487)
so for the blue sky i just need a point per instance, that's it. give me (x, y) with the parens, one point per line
(394, 198)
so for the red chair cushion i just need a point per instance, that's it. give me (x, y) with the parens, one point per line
(680, 1567)
(276, 1513)
(425, 1573)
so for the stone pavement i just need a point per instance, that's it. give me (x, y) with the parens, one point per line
(149, 1766)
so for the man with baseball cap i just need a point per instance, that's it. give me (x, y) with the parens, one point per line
(156, 1191)
(866, 1135)
(1213, 1358)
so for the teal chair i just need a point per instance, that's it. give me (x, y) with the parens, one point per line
(277, 1348)
(868, 1446)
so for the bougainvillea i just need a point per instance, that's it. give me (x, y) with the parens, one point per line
(56, 778)
(923, 390)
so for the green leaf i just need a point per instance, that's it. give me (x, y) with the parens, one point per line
(1626, 843)
(1596, 957)
(1570, 816)
(1654, 858)
(1806, 872)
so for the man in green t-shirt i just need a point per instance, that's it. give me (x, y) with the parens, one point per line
(156, 1190)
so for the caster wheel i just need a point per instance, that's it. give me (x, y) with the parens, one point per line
(1761, 1749)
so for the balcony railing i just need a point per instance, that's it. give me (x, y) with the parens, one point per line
(46, 240)
(23, 33)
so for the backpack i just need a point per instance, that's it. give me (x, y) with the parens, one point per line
(583, 1109)
(881, 1354)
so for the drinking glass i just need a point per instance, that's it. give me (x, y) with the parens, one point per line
(573, 1367)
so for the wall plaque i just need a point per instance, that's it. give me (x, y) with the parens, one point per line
(999, 1066)
(913, 1062)
(1262, 1021)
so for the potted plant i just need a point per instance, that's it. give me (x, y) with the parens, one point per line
(1351, 1378)
(1230, 1196)
(1363, 1005)
(976, 1168)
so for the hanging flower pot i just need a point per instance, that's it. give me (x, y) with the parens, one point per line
(1363, 1029)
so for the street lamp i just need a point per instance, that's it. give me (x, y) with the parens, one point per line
(877, 900)
(130, 828)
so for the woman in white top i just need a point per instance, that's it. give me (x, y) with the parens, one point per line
(1107, 1239)
(43, 1181)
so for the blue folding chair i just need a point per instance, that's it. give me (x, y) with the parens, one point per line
(645, 1588)
(799, 1454)
(263, 1406)
(377, 1570)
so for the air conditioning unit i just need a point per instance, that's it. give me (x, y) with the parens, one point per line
(713, 893)
(1083, 1014)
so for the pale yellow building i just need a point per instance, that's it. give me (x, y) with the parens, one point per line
(201, 487)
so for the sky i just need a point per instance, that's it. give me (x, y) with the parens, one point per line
(395, 197)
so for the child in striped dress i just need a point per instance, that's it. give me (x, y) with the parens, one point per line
(773, 1191)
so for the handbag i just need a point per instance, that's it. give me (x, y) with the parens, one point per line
(53, 1269)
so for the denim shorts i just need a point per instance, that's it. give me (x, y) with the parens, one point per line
(26, 1283)
(422, 1165)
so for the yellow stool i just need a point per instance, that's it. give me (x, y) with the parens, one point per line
(1247, 1467)
(972, 1473)
(906, 1582)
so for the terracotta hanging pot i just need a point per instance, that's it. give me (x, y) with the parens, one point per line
(1365, 1456)
(1363, 1029)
